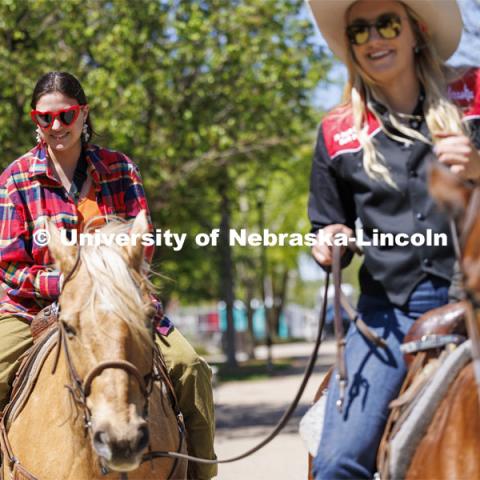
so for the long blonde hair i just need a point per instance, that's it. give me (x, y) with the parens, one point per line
(441, 115)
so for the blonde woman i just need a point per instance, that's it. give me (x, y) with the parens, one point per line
(403, 110)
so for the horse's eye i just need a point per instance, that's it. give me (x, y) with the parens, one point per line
(69, 330)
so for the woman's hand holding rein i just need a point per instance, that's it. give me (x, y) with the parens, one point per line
(322, 251)
(456, 151)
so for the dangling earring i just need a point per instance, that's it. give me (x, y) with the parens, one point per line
(38, 137)
(86, 134)
(416, 49)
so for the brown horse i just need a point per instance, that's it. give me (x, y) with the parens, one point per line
(105, 317)
(450, 448)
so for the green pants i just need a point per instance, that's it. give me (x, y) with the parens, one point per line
(190, 375)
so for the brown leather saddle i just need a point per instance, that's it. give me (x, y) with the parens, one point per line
(435, 329)
(430, 335)
(425, 341)
(44, 321)
(42, 325)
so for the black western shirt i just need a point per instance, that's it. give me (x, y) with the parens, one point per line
(341, 191)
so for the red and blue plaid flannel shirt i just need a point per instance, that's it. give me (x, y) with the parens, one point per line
(29, 196)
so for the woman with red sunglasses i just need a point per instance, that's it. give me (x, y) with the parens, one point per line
(403, 110)
(70, 181)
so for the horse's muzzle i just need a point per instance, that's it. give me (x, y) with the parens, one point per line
(121, 455)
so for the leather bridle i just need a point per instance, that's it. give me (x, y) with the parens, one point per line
(80, 390)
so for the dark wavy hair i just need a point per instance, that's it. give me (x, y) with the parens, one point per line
(66, 84)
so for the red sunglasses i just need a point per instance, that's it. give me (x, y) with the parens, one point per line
(66, 116)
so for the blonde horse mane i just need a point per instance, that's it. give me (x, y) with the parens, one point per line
(116, 286)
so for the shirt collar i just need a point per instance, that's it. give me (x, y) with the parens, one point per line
(95, 161)
(41, 167)
(382, 110)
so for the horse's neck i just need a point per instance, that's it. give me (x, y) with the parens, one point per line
(50, 421)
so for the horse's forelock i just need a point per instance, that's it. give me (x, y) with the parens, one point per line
(115, 286)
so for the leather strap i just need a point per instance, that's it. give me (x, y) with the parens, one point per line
(340, 300)
(429, 342)
(360, 324)
(128, 367)
(338, 325)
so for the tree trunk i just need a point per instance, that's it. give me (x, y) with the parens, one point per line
(266, 290)
(251, 334)
(226, 271)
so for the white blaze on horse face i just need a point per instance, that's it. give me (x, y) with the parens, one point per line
(120, 444)
(106, 306)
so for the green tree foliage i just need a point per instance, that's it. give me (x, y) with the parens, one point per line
(207, 96)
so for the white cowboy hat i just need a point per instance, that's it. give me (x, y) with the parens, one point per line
(442, 18)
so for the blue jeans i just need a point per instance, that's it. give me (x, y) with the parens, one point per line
(350, 439)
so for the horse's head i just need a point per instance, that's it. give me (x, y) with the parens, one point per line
(462, 201)
(106, 311)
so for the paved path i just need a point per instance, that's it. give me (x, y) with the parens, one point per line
(247, 411)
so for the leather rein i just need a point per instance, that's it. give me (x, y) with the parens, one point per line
(81, 389)
(339, 299)
(339, 302)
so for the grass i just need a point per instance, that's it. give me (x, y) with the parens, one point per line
(251, 370)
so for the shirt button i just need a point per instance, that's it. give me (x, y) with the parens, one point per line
(414, 124)
(420, 216)
(427, 262)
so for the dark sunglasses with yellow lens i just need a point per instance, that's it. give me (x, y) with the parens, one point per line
(388, 26)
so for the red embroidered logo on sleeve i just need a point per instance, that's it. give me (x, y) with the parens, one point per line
(465, 92)
(339, 133)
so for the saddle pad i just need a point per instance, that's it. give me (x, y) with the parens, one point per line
(405, 442)
(33, 365)
(311, 424)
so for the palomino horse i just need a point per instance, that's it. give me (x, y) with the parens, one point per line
(71, 428)
(451, 446)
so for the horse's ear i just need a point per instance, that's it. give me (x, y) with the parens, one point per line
(449, 191)
(136, 250)
(64, 254)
